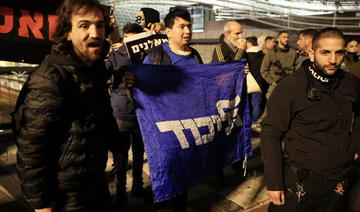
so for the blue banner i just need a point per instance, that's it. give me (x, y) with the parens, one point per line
(194, 121)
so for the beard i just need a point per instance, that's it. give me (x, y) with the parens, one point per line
(326, 68)
(90, 55)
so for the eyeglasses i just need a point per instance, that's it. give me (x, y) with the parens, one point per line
(139, 19)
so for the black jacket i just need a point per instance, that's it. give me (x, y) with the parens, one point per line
(66, 128)
(317, 135)
(123, 106)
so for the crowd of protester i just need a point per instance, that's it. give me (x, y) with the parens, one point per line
(82, 38)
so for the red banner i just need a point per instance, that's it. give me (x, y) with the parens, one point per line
(26, 31)
(33, 25)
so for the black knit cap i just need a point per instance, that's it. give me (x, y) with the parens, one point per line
(151, 15)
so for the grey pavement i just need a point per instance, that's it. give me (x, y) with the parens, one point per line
(234, 194)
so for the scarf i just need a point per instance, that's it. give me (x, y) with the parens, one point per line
(321, 76)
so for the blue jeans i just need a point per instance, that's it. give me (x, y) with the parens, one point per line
(255, 106)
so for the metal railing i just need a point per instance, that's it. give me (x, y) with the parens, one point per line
(288, 15)
(11, 82)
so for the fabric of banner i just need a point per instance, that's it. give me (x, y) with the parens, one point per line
(194, 121)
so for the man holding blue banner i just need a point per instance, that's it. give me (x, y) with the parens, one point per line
(194, 120)
(208, 128)
(178, 28)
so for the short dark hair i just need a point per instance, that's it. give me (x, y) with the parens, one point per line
(176, 12)
(132, 28)
(329, 32)
(308, 32)
(252, 40)
(281, 32)
(64, 25)
(269, 38)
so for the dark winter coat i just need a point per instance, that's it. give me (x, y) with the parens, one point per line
(318, 135)
(123, 106)
(223, 53)
(66, 128)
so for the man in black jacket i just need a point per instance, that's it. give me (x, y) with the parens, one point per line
(311, 132)
(64, 121)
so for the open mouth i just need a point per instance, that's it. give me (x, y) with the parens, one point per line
(95, 45)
